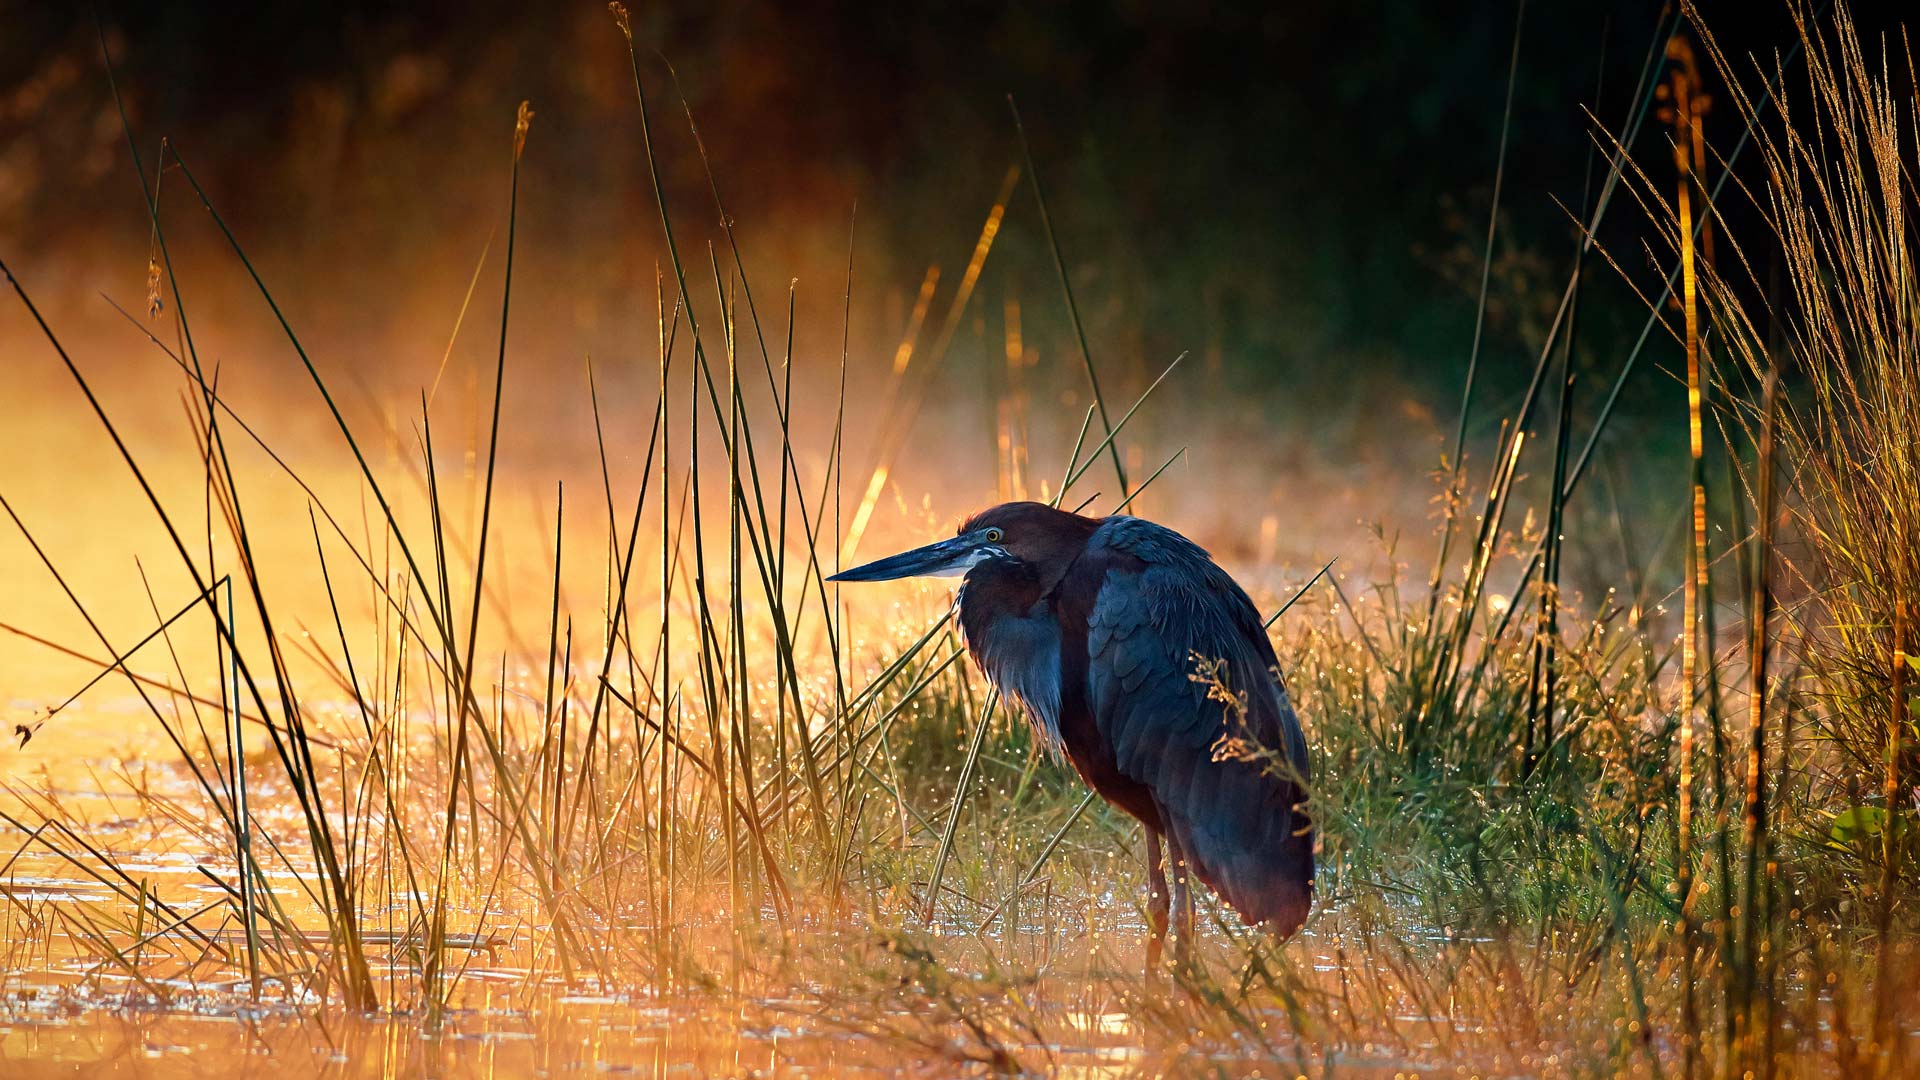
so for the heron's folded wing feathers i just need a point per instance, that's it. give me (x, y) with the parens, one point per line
(1158, 615)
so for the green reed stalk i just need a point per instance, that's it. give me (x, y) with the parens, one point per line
(1456, 460)
(1751, 114)
(468, 702)
(441, 613)
(736, 659)
(546, 713)
(381, 760)
(1113, 432)
(1540, 687)
(680, 279)
(1696, 591)
(775, 583)
(1549, 631)
(465, 670)
(1443, 645)
(1033, 870)
(781, 764)
(1756, 1005)
(1066, 289)
(1073, 458)
(242, 816)
(294, 753)
(668, 706)
(1895, 830)
(960, 792)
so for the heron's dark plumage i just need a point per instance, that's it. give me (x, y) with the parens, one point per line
(1098, 628)
(1012, 633)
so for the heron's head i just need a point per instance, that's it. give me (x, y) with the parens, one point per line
(1043, 538)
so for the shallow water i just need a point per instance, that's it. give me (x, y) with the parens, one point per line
(820, 1008)
(117, 1031)
(570, 1035)
(1055, 987)
(67, 1018)
(67, 1008)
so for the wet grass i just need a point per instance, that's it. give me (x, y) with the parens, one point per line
(1561, 834)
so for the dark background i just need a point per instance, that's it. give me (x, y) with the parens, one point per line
(1295, 193)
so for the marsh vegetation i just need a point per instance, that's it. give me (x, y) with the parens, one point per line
(647, 791)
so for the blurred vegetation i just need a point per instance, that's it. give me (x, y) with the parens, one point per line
(1294, 192)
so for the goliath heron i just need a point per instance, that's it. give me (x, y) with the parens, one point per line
(1116, 636)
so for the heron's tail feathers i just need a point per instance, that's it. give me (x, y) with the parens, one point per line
(1260, 864)
(1286, 907)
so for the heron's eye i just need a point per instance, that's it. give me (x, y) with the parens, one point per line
(994, 535)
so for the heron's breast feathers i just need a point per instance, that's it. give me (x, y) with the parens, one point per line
(1021, 657)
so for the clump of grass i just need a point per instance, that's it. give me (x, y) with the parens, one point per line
(1837, 200)
(1826, 303)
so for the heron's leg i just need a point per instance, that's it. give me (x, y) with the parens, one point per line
(1156, 902)
(1182, 903)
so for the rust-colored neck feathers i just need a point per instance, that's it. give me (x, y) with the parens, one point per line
(1046, 539)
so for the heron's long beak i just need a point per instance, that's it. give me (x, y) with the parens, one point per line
(945, 558)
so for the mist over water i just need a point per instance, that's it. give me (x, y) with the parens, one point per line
(365, 172)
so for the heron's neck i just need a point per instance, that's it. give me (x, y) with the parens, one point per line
(999, 588)
(1068, 544)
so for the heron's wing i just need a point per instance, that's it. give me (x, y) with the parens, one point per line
(1164, 616)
